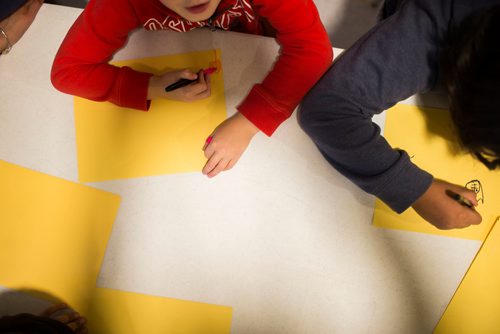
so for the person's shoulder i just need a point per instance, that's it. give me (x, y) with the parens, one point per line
(436, 9)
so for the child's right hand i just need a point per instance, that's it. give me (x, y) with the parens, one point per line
(445, 213)
(196, 91)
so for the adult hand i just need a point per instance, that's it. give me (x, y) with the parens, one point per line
(197, 90)
(229, 141)
(18, 22)
(445, 213)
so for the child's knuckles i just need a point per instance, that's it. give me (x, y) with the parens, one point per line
(210, 165)
(190, 97)
(73, 326)
(448, 223)
(476, 219)
(64, 318)
(185, 73)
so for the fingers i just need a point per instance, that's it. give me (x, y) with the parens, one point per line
(218, 161)
(476, 218)
(215, 160)
(217, 164)
(444, 211)
(466, 220)
(207, 142)
(230, 164)
(53, 309)
(469, 195)
(224, 149)
(74, 321)
(182, 85)
(200, 89)
(62, 313)
(184, 74)
(77, 325)
(466, 216)
(66, 317)
(460, 216)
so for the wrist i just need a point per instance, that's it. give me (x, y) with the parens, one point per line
(250, 128)
(153, 87)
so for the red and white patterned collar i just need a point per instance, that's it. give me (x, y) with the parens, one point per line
(227, 12)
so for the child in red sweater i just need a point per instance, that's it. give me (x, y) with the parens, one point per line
(81, 65)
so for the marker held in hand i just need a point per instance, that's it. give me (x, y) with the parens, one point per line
(460, 199)
(184, 82)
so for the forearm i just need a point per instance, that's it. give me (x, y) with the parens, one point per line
(305, 55)
(121, 86)
(352, 144)
(394, 61)
(81, 65)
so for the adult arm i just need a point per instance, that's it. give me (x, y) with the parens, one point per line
(16, 24)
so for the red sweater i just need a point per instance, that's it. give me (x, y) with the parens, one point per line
(81, 65)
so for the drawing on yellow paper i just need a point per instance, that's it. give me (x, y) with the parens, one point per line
(427, 135)
(117, 143)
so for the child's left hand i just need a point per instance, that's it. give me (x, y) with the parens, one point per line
(229, 141)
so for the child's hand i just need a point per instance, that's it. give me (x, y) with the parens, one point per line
(445, 213)
(229, 141)
(196, 91)
(64, 314)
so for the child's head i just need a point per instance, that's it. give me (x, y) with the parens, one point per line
(471, 67)
(193, 10)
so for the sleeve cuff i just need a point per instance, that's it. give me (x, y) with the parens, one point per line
(132, 89)
(259, 110)
(403, 189)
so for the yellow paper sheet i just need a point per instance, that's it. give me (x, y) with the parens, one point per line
(475, 307)
(118, 312)
(53, 234)
(427, 135)
(116, 143)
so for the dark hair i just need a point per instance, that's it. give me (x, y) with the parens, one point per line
(471, 69)
(31, 324)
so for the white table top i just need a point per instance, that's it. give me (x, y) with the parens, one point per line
(282, 238)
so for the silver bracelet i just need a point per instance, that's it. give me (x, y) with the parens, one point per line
(9, 46)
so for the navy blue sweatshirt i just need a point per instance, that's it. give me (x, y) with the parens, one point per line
(396, 59)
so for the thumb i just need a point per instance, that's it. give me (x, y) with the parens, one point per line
(469, 195)
(187, 74)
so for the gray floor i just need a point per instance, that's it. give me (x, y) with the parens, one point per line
(347, 20)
